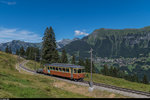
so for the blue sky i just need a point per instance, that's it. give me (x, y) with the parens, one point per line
(27, 19)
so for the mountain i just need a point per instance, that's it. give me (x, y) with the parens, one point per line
(112, 43)
(17, 44)
(64, 42)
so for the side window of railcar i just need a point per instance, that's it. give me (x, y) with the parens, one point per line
(75, 70)
(53, 68)
(67, 69)
(59, 69)
(50, 68)
(63, 69)
(56, 68)
(79, 70)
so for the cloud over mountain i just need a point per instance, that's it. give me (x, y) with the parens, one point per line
(78, 33)
(7, 35)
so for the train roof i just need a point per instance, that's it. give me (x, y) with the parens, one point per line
(64, 65)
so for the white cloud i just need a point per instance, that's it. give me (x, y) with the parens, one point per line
(8, 2)
(78, 33)
(7, 35)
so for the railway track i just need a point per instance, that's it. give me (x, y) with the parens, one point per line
(147, 94)
(120, 88)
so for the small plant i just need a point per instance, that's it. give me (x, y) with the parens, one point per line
(86, 76)
(48, 89)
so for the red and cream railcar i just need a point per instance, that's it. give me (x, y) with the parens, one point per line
(71, 71)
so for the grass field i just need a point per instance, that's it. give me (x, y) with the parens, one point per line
(113, 81)
(118, 82)
(14, 84)
(32, 65)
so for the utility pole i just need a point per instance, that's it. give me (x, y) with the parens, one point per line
(91, 83)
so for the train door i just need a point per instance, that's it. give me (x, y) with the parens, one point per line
(71, 73)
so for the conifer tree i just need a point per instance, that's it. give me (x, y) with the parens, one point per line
(111, 71)
(87, 65)
(22, 52)
(81, 62)
(37, 54)
(56, 58)
(73, 60)
(27, 52)
(105, 70)
(145, 80)
(17, 52)
(49, 52)
(64, 58)
(10, 51)
(93, 67)
(7, 49)
(115, 72)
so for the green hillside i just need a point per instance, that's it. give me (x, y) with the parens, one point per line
(98, 78)
(15, 84)
(113, 43)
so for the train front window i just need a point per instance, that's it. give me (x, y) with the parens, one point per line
(79, 70)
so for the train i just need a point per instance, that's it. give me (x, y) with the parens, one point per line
(70, 71)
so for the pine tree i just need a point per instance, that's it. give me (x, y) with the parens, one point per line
(115, 72)
(7, 49)
(145, 80)
(37, 54)
(73, 60)
(49, 52)
(22, 52)
(87, 65)
(17, 52)
(93, 67)
(64, 58)
(105, 70)
(56, 57)
(111, 71)
(10, 51)
(27, 52)
(81, 62)
(136, 78)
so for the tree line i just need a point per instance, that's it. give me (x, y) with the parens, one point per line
(8, 50)
(116, 72)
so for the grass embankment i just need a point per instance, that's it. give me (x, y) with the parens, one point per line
(118, 82)
(14, 84)
(32, 65)
(76, 88)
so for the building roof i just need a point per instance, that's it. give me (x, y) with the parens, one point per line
(64, 65)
